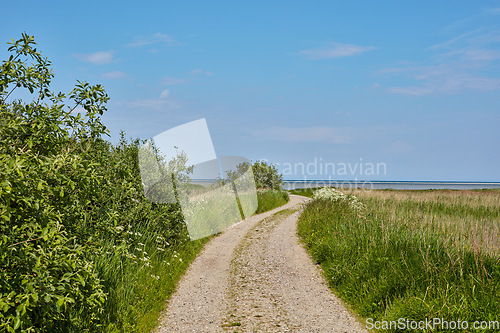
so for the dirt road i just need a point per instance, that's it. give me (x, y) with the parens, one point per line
(257, 277)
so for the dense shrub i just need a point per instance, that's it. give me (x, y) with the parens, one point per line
(72, 211)
(267, 176)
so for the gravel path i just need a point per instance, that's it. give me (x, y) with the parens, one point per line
(256, 277)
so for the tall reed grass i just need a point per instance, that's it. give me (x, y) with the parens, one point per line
(411, 254)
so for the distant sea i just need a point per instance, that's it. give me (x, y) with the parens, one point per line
(396, 185)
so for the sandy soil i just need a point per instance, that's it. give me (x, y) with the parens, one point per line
(257, 277)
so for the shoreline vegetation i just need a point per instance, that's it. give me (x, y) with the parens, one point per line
(412, 254)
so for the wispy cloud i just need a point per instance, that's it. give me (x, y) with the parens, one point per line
(459, 64)
(480, 44)
(97, 58)
(410, 91)
(156, 38)
(114, 75)
(316, 134)
(493, 11)
(335, 50)
(170, 81)
(444, 80)
(452, 41)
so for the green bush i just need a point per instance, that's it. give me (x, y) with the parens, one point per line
(80, 245)
(267, 176)
(47, 282)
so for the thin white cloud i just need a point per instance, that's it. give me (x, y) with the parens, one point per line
(454, 40)
(114, 75)
(97, 58)
(460, 64)
(478, 45)
(336, 50)
(170, 81)
(482, 55)
(445, 80)
(409, 91)
(165, 93)
(156, 38)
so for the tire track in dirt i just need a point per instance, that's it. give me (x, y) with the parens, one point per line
(257, 277)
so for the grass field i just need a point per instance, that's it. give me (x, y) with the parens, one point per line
(410, 254)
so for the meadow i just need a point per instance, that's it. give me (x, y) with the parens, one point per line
(409, 254)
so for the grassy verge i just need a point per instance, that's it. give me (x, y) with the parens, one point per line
(410, 254)
(144, 283)
(306, 192)
(271, 199)
(148, 279)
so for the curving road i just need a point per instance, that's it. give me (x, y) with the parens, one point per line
(257, 277)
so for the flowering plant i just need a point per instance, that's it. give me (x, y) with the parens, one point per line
(332, 194)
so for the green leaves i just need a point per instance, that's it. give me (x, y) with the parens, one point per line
(15, 72)
(267, 176)
(66, 198)
(47, 280)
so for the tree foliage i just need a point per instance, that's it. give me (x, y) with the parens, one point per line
(66, 196)
(267, 176)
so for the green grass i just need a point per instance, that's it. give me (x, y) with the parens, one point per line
(140, 268)
(141, 287)
(270, 199)
(153, 298)
(411, 254)
(306, 192)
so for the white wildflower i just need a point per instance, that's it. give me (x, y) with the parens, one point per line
(329, 193)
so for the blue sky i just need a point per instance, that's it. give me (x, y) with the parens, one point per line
(412, 85)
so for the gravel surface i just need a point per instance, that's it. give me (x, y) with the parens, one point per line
(257, 277)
